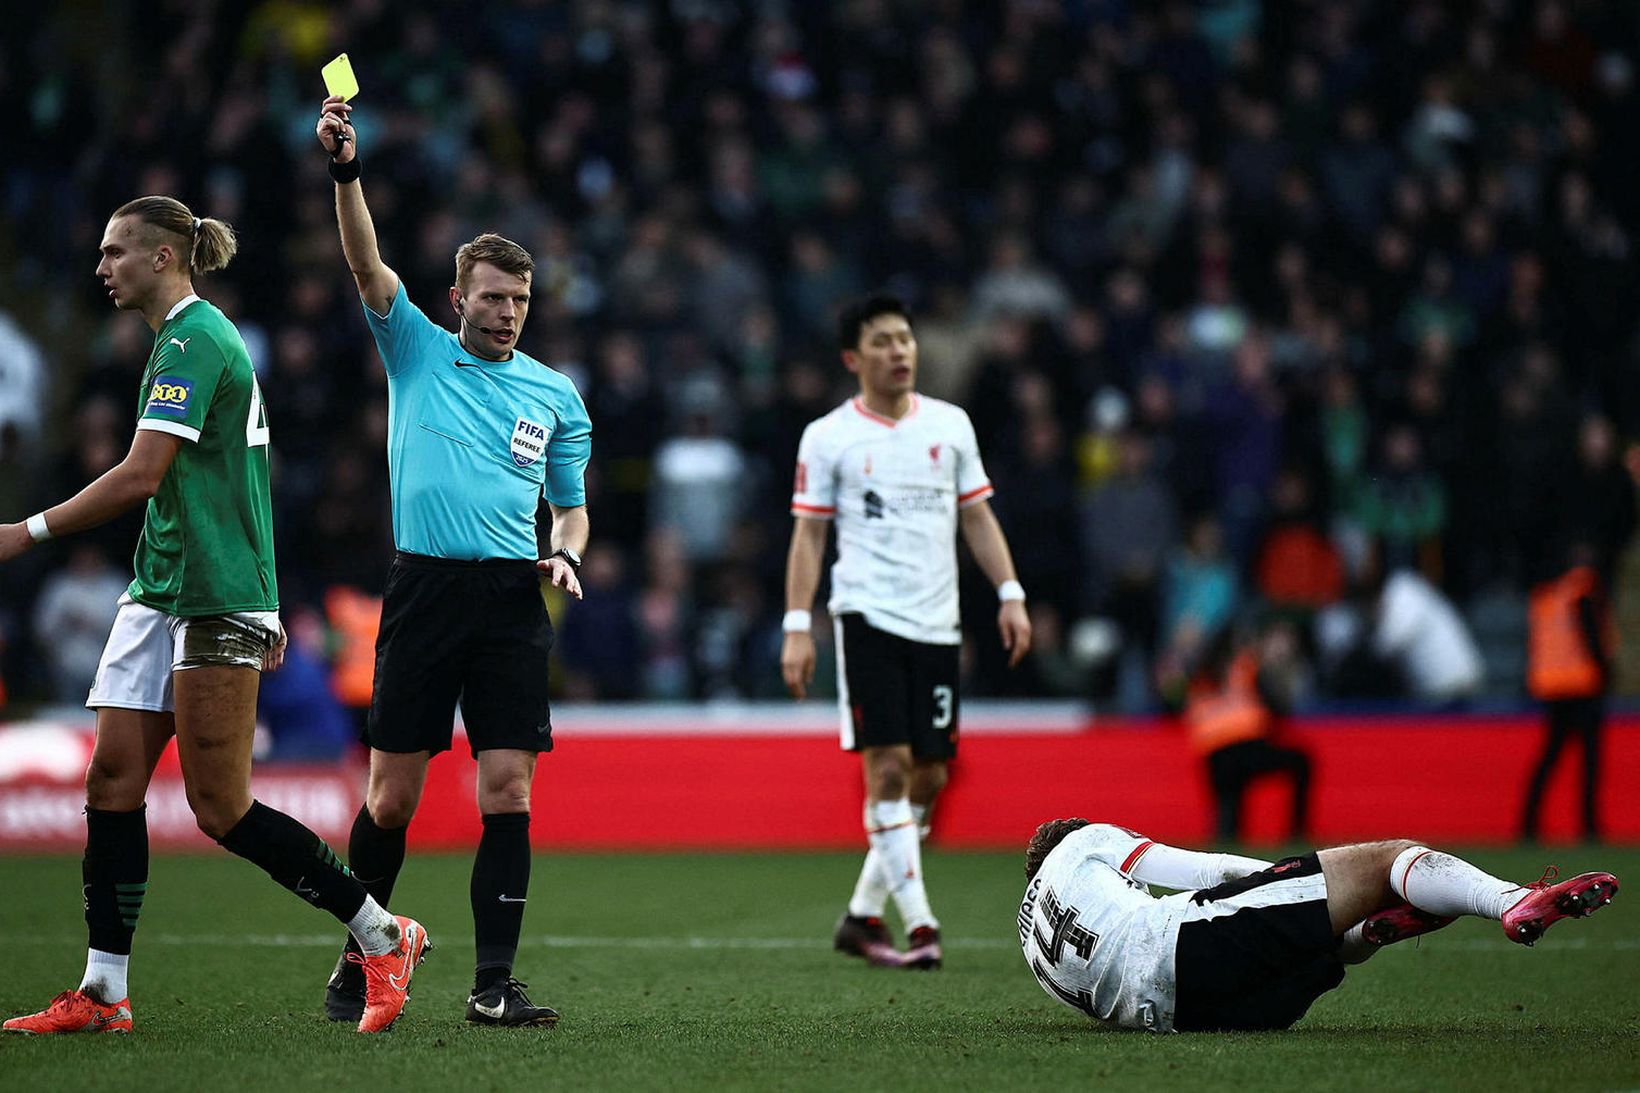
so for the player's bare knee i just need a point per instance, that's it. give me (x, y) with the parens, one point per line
(212, 825)
(888, 773)
(889, 783)
(928, 780)
(508, 797)
(1384, 853)
(216, 814)
(1368, 864)
(391, 808)
(110, 787)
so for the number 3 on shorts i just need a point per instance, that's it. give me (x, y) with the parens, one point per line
(942, 707)
(256, 424)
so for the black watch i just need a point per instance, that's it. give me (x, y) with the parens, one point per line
(569, 556)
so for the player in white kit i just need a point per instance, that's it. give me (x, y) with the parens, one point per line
(899, 474)
(1246, 944)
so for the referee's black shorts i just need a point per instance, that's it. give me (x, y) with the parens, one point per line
(476, 632)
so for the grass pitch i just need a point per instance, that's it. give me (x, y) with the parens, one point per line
(684, 972)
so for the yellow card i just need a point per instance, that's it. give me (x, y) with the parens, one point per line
(339, 78)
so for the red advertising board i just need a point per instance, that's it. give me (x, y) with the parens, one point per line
(773, 777)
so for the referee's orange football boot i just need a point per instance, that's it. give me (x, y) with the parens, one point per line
(75, 1011)
(387, 977)
(1546, 903)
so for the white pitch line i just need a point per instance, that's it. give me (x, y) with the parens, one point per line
(551, 941)
(564, 941)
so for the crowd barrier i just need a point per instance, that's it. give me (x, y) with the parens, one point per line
(770, 776)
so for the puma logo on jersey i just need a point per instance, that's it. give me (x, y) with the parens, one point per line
(183, 344)
(934, 454)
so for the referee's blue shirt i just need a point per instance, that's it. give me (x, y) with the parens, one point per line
(473, 444)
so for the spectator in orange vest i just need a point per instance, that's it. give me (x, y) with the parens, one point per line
(355, 619)
(1233, 713)
(1570, 640)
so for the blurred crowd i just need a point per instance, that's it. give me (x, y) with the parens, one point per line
(1311, 314)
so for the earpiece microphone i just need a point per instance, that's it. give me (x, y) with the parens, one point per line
(461, 309)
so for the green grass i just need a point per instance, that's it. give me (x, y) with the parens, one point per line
(683, 972)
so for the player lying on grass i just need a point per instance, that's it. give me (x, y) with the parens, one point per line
(1244, 944)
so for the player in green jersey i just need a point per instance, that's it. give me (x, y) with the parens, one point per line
(195, 629)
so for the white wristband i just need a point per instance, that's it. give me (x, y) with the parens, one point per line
(37, 529)
(1010, 590)
(797, 622)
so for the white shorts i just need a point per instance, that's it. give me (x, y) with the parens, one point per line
(145, 646)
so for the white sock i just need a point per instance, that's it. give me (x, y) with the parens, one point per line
(871, 890)
(374, 928)
(105, 976)
(1445, 885)
(892, 829)
(1353, 947)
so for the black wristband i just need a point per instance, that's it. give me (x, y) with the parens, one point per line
(346, 172)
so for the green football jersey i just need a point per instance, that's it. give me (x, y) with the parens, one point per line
(207, 538)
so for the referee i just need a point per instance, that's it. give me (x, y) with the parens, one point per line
(478, 433)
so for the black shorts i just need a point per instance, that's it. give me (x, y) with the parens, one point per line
(473, 632)
(1254, 953)
(896, 691)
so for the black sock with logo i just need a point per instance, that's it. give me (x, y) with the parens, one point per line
(376, 854)
(115, 873)
(297, 858)
(501, 881)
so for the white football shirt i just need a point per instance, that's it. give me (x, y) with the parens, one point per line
(1095, 938)
(893, 488)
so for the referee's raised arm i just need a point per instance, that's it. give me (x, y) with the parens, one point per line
(377, 283)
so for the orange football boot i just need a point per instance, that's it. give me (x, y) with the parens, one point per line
(387, 977)
(75, 1011)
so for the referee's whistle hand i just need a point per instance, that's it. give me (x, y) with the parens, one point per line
(797, 663)
(561, 574)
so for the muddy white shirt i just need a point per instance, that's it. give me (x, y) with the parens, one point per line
(893, 488)
(1094, 936)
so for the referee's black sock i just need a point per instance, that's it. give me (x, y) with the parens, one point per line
(115, 873)
(501, 878)
(297, 858)
(375, 854)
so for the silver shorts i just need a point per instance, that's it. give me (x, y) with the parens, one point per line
(146, 646)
